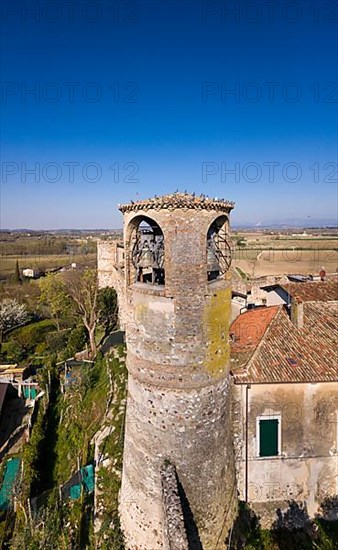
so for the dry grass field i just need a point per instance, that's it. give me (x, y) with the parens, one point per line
(44, 252)
(260, 254)
(43, 262)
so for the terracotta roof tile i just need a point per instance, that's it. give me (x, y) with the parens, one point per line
(286, 353)
(313, 290)
(248, 329)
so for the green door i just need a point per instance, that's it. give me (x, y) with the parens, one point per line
(268, 437)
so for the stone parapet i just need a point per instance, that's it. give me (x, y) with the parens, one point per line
(176, 201)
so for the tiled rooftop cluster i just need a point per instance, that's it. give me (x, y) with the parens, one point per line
(313, 291)
(268, 347)
(179, 200)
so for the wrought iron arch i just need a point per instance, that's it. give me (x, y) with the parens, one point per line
(219, 251)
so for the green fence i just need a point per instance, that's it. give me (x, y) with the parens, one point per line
(29, 392)
(10, 474)
(87, 481)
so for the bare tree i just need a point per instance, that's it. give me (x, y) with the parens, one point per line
(83, 291)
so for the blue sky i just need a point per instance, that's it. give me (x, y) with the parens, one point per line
(133, 99)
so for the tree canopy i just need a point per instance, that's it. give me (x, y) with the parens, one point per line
(12, 313)
(108, 309)
(54, 294)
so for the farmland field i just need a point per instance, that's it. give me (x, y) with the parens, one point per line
(259, 254)
(44, 252)
(255, 253)
(43, 262)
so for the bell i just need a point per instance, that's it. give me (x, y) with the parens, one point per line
(159, 254)
(212, 262)
(146, 257)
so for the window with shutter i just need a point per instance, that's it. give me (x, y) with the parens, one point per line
(268, 437)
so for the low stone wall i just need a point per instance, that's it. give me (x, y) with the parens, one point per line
(173, 514)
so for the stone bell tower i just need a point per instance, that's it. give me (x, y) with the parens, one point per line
(177, 290)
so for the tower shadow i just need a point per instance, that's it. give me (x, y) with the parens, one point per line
(193, 537)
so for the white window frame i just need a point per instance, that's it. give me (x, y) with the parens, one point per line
(279, 434)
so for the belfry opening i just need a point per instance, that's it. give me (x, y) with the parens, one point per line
(218, 248)
(147, 252)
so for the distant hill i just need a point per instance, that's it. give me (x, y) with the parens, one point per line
(286, 223)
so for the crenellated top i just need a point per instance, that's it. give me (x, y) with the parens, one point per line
(179, 200)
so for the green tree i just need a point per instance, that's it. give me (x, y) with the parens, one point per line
(54, 295)
(108, 309)
(15, 352)
(76, 341)
(17, 278)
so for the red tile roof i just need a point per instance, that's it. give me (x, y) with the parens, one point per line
(285, 353)
(313, 290)
(248, 328)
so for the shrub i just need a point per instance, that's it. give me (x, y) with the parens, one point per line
(15, 352)
(76, 341)
(31, 335)
(56, 341)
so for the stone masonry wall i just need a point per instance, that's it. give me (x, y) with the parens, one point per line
(178, 404)
(176, 536)
(111, 273)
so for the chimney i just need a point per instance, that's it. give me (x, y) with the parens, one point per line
(297, 313)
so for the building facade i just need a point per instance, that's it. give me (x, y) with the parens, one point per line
(285, 401)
